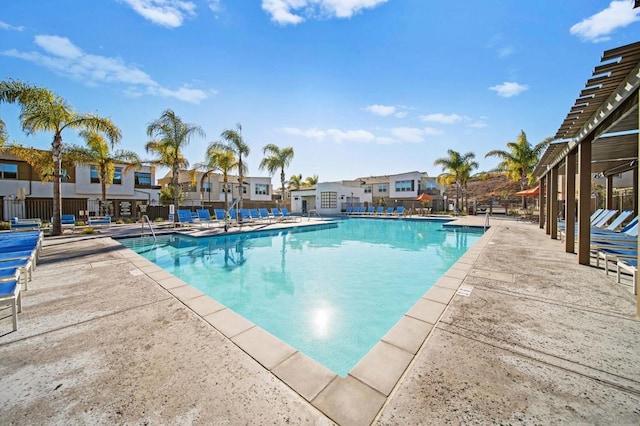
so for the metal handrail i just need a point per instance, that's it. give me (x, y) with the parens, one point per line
(146, 218)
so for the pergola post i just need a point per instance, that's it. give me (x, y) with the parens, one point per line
(609, 194)
(584, 203)
(635, 191)
(570, 202)
(547, 227)
(553, 203)
(541, 203)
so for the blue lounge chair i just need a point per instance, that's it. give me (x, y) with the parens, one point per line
(276, 213)
(265, 214)
(380, 210)
(347, 211)
(204, 217)
(96, 221)
(10, 295)
(371, 210)
(389, 210)
(400, 211)
(220, 214)
(286, 215)
(631, 266)
(24, 224)
(185, 218)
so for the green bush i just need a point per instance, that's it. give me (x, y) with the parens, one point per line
(88, 231)
(4, 226)
(158, 219)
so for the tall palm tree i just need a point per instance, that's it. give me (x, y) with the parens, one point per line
(234, 142)
(217, 160)
(520, 160)
(4, 136)
(43, 111)
(455, 165)
(98, 153)
(468, 165)
(169, 136)
(311, 180)
(277, 160)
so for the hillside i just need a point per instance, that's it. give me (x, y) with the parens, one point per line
(485, 189)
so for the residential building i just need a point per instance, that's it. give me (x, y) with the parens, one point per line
(203, 187)
(25, 195)
(328, 198)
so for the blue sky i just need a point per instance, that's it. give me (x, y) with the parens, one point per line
(356, 87)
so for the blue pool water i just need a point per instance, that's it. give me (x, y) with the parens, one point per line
(331, 291)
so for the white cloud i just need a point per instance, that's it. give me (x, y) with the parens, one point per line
(383, 110)
(503, 52)
(509, 89)
(596, 28)
(400, 114)
(65, 58)
(442, 118)
(215, 7)
(296, 11)
(432, 131)
(310, 133)
(478, 124)
(5, 26)
(385, 140)
(168, 13)
(408, 134)
(340, 136)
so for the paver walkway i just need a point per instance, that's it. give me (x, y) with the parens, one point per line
(540, 339)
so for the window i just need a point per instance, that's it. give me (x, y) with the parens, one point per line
(93, 173)
(382, 187)
(117, 176)
(244, 189)
(404, 186)
(142, 179)
(222, 188)
(262, 189)
(206, 187)
(367, 189)
(328, 200)
(8, 171)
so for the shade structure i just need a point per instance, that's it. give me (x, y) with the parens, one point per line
(424, 197)
(531, 192)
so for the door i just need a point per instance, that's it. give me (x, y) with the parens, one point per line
(304, 206)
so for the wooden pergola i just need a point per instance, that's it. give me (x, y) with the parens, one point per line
(599, 136)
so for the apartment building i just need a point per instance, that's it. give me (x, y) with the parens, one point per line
(25, 195)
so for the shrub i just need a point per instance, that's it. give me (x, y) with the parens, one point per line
(158, 219)
(4, 226)
(120, 222)
(88, 231)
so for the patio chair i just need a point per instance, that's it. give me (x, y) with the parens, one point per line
(389, 211)
(16, 224)
(185, 218)
(265, 214)
(628, 265)
(371, 210)
(379, 210)
(400, 211)
(347, 211)
(10, 295)
(204, 217)
(286, 215)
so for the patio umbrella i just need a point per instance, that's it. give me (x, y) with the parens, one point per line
(424, 197)
(531, 192)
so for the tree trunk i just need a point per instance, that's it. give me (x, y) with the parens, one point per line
(282, 182)
(56, 149)
(103, 187)
(176, 199)
(241, 186)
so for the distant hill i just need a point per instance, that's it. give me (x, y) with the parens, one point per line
(489, 187)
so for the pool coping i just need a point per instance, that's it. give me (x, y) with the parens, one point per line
(357, 398)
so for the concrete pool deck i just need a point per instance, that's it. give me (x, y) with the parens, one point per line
(516, 331)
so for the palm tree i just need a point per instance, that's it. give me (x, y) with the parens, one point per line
(295, 181)
(519, 161)
(4, 137)
(311, 180)
(42, 110)
(98, 153)
(468, 165)
(277, 159)
(169, 136)
(456, 165)
(234, 142)
(223, 161)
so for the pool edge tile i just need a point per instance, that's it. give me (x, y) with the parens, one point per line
(427, 310)
(228, 322)
(304, 375)
(382, 367)
(348, 401)
(264, 347)
(408, 334)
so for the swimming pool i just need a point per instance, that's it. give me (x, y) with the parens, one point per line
(331, 291)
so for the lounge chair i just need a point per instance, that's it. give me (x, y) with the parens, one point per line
(265, 214)
(255, 215)
(67, 221)
(24, 224)
(24, 266)
(204, 217)
(400, 211)
(286, 215)
(96, 221)
(347, 211)
(220, 214)
(185, 218)
(631, 266)
(10, 295)
(371, 210)
(389, 210)
(380, 210)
